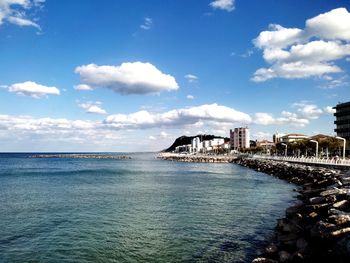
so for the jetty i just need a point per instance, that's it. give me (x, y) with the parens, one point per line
(80, 156)
(317, 227)
(196, 158)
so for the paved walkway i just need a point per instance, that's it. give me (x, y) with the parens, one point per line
(308, 160)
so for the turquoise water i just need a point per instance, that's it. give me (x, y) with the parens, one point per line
(138, 210)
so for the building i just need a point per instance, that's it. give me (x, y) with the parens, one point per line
(292, 137)
(342, 122)
(239, 138)
(277, 137)
(265, 144)
(197, 145)
(184, 148)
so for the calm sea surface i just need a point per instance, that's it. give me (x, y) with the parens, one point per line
(138, 210)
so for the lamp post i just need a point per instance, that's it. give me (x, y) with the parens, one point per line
(316, 147)
(344, 145)
(285, 153)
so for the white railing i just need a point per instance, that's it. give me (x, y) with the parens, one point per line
(312, 160)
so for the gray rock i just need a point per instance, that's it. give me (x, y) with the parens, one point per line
(284, 256)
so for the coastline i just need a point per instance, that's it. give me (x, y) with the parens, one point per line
(317, 227)
(198, 158)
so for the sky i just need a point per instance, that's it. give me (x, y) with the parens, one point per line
(133, 75)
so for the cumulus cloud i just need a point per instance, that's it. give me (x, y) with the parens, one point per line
(302, 53)
(308, 111)
(178, 117)
(263, 118)
(128, 78)
(14, 12)
(227, 5)
(43, 125)
(304, 112)
(147, 23)
(329, 110)
(92, 107)
(190, 97)
(262, 135)
(32, 89)
(191, 78)
(286, 118)
(82, 87)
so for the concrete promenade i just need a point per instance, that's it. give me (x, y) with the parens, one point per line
(330, 162)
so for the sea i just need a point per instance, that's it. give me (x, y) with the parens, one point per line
(135, 210)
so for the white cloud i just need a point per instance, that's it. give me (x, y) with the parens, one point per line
(334, 24)
(191, 78)
(147, 23)
(164, 134)
(14, 12)
(278, 37)
(190, 97)
(92, 107)
(302, 53)
(264, 118)
(227, 5)
(128, 78)
(82, 87)
(152, 138)
(329, 110)
(178, 117)
(32, 89)
(334, 83)
(262, 135)
(308, 111)
(286, 118)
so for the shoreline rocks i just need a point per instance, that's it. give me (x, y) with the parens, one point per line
(200, 158)
(317, 227)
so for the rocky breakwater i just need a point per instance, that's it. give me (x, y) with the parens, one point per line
(197, 158)
(317, 227)
(80, 156)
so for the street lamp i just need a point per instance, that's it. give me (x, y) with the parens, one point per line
(285, 153)
(344, 140)
(316, 147)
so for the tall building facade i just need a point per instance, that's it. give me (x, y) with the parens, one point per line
(342, 122)
(196, 145)
(239, 138)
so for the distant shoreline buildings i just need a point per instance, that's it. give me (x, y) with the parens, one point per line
(292, 143)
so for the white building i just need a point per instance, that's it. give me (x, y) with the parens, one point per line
(216, 142)
(197, 145)
(239, 138)
(206, 146)
(277, 137)
(292, 137)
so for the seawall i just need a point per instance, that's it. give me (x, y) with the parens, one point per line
(317, 227)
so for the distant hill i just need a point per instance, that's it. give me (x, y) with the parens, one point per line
(188, 139)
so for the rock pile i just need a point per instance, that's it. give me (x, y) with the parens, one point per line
(317, 227)
(80, 156)
(197, 158)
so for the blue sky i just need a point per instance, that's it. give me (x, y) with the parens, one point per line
(156, 70)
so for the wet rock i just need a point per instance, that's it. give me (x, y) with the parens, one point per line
(340, 219)
(301, 244)
(341, 204)
(263, 260)
(340, 232)
(298, 257)
(271, 249)
(317, 200)
(284, 256)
